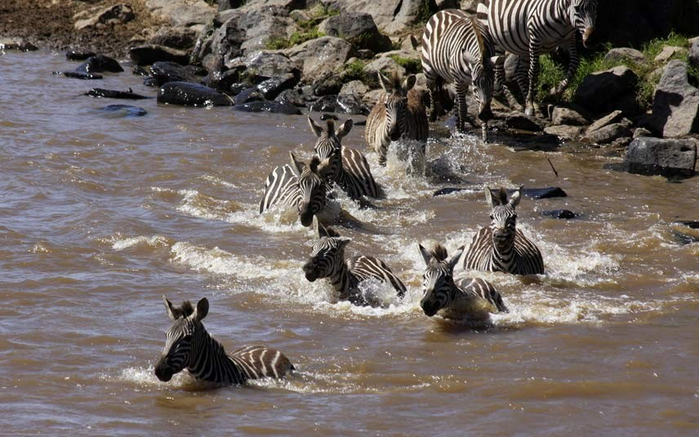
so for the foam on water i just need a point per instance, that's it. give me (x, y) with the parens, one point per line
(122, 243)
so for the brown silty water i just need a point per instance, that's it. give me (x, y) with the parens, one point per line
(102, 215)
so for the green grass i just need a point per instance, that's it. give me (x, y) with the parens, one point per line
(295, 39)
(411, 65)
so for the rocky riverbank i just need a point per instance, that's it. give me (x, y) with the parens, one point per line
(287, 55)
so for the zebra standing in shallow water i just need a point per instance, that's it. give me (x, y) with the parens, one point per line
(399, 113)
(299, 186)
(457, 48)
(502, 247)
(346, 167)
(529, 28)
(190, 347)
(470, 299)
(328, 261)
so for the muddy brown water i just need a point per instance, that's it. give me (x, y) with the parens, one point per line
(101, 215)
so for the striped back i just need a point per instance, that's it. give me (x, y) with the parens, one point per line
(297, 185)
(346, 167)
(189, 346)
(501, 246)
(398, 114)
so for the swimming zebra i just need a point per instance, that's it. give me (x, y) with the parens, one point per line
(457, 48)
(502, 247)
(346, 167)
(297, 185)
(466, 298)
(529, 28)
(399, 113)
(189, 346)
(327, 260)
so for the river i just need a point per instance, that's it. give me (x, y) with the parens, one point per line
(102, 215)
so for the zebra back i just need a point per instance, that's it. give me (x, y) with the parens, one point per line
(257, 362)
(366, 267)
(483, 289)
(281, 187)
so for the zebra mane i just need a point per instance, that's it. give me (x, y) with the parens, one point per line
(331, 126)
(313, 165)
(187, 308)
(395, 80)
(479, 38)
(439, 253)
(502, 196)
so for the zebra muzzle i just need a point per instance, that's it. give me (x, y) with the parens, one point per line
(162, 371)
(586, 35)
(310, 271)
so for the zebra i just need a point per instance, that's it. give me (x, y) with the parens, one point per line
(466, 298)
(189, 346)
(327, 260)
(299, 186)
(399, 113)
(502, 247)
(457, 48)
(346, 167)
(528, 28)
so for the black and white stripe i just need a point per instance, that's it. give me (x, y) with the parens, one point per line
(457, 48)
(529, 28)
(466, 298)
(399, 113)
(502, 247)
(327, 260)
(348, 168)
(189, 346)
(299, 186)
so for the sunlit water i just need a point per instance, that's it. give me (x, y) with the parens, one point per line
(100, 216)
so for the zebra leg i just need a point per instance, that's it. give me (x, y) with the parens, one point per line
(573, 63)
(435, 90)
(461, 106)
(522, 75)
(533, 76)
(500, 85)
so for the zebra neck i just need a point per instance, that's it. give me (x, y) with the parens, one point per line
(211, 363)
(505, 253)
(560, 11)
(340, 277)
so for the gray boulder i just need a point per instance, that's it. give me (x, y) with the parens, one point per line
(354, 88)
(608, 119)
(668, 52)
(19, 44)
(115, 14)
(608, 133)
(264, 64)
(391, 16)
(191, 94)
(619, 54)
(694, 53)
(567, 116)
(676, 103)
(182, 12)
(180, 38)
(320, 56)
(600, 90)
(521, 121)
(150, 53)
(673, 158)
(359, 29)
(565, 132)
(385, 65)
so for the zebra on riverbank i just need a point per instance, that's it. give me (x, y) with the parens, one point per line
(348, 168)
(501, 247)
(399, 113)
(299, 186)
(465, 299)
(189, 346)
(529, 28)
(327, 260)
(457, 48)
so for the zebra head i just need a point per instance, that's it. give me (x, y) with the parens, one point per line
(312, 188)
(181, 339)
(438, 281)
(395, 101)
(583, 14)
(503, 217)
(482, 73)
(328, 145)
(327, 255)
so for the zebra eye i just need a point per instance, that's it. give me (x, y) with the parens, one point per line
(491, 216)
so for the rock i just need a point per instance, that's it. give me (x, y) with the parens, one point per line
(385, 65)
(668, 52)
(150, 53)
(271, 88)
(598, 90)
(354, 88)
(358, 28)
(330, 83)
(672, 158)
(608, 119)
(115, 14)
(567, 116)
(320, 56)
(325, 104)
(191, 94)
(180, 38)
(114, 94)
(249, 95)
(275, 107)
(364, 54)
(392, 16)
(683, 238)
(521, 121)
(78, 75)
(469, 5)
(565, 132)
(676, 103)
(182, 12)
(351, 104)
(99, 64)
(19, 44)
(291, 96)
(446, 191)
(124, 111)
(542, 193)
(372, 97)
(642, 132)
(619, 54)
(79, 55)
(692, 224)
(608, 133)
(265, 64)
(565, 214)
(693, 57)
(166, 71)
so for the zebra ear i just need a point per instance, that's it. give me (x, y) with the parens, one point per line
(454, 260)
(319, 228)
(296, 166)
(492, 197)
(344, 128)
(344, 241)
(202, 310)
(410, 82)
(172, 311)
(385, 83)
(426, 254)
(315, 127)
(516, 197)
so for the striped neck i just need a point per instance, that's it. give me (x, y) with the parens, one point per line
(209, 362)
(340, 277)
